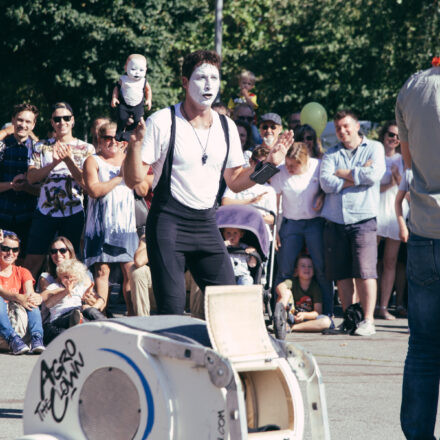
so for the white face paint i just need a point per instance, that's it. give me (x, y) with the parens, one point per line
(204, 84)
(136, 68)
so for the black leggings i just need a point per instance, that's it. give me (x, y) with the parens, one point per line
(179, 239)
(56, 327)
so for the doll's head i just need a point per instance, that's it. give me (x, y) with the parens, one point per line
(72, 271)
(136, 67)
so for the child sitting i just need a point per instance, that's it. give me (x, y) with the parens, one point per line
(240, 263)
(302, 298)
(66, 297)
(246, 82)
(130, 95)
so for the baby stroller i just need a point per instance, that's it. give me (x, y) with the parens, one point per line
(249, 219)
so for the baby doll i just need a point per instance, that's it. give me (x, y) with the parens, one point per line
(130, 95)
(240, 263)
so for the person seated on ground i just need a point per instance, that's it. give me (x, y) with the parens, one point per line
(17, 285)
(141, 287)
(66, 299)
(240, 263)
(303, 299)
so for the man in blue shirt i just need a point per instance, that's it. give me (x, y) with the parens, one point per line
(17, 196)
(350, 176)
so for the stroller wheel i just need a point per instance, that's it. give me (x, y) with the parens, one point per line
(280, 321)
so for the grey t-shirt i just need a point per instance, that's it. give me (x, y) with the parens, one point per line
(418, 119)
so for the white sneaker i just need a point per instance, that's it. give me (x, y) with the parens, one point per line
(366, 328)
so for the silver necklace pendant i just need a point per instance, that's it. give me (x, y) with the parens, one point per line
(204, 158)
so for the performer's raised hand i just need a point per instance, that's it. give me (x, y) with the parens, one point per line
(138, 133)
(279, 150)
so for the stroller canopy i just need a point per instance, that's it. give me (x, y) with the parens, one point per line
(250, 219)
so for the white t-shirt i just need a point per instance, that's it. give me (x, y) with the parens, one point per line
(193, 184)
(299, 191)
(68, 302)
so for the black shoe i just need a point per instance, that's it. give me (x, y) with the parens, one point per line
(280, 321)
(75, 317)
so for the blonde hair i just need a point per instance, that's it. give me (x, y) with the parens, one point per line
(247, 74)
(73, 268)
(110, 125)
(299, 152)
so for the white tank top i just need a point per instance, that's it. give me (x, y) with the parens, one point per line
(132, 91)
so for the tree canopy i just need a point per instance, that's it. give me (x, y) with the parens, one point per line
(353, 54)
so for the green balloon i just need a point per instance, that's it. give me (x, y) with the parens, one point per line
(314, 114)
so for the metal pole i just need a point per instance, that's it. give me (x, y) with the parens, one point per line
(218, 31)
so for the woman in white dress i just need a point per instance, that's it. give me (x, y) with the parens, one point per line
(110, 235)
(387, 226)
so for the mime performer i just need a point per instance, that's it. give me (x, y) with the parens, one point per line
(190, 147)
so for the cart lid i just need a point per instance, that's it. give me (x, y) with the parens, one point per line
(235, 321)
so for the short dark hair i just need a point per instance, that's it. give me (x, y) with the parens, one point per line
(24, 108)
(385, 128)
(341, 114)
(195, 59)
(65, 105)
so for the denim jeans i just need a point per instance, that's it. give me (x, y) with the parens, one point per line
(244, 280)
(293, 235)
(34, 321)
(422, 366)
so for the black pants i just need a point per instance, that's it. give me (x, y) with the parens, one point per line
(179, 237)
(124, 111)
(56, 327)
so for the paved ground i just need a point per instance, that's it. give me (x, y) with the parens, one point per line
(362, 376)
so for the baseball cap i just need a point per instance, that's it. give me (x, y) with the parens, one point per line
(273, 117)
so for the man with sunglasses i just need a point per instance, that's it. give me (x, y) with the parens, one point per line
(17, 195)
(418, 120)
(270, 128)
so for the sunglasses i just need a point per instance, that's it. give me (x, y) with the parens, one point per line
(309, 138)
(107, 137)
(266, 127)
(7, 249)
(60, 250)
(57, 119)
(245, 118)
(295, 121)
(392, 135)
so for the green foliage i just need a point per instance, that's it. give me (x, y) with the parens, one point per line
(339, 53)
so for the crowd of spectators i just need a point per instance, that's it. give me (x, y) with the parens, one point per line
(64, 201)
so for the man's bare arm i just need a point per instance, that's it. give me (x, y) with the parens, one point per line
(134, 169)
